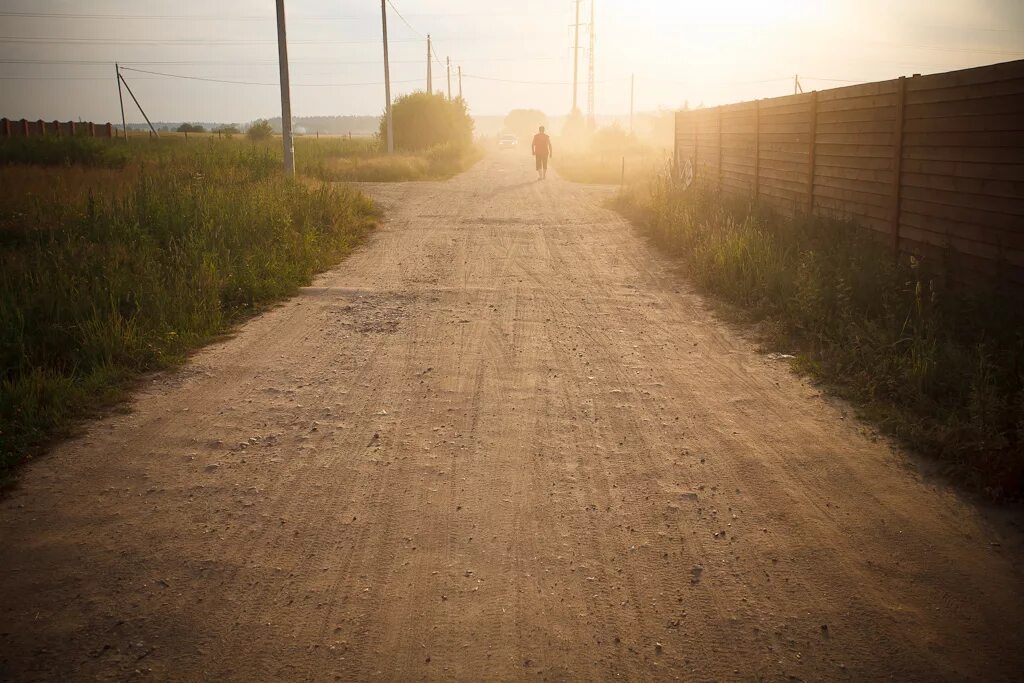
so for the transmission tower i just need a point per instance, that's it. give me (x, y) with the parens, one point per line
(591, 120)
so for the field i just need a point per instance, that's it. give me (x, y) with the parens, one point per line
(887, 334)
(328, 158)
(116, 260)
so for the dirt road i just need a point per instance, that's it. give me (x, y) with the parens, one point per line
(500, 442)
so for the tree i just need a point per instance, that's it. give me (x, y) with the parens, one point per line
(190, 128)
(523, 123)
(422, 120)
(612, 140)
(260, 130)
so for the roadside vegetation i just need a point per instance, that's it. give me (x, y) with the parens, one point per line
(938, 365)
(116, 260)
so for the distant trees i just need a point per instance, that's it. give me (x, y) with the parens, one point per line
(260, 130)
(523, 123)
(227, 131)
(190, 128)
(613, 139)
(423, 120)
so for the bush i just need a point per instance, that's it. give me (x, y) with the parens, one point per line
(422, 120)
(190, 128)
(260, 130)
(227, 131)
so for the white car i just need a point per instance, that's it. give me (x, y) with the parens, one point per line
(508, 142)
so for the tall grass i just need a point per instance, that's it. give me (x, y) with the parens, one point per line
(937, 364)
(341, 160)
(106, 274)
(327, 158)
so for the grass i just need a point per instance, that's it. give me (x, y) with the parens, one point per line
(361, 160)
(116, 262)
(608, 168)
(329, 159)
(937, 364)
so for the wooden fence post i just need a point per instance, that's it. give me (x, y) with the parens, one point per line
(675, 144)
(696, 124)
(56, 126)
(7, 128)
(110, 130)
(897, 163)
(24, 127)
(719, 148)
(811, 151)
(757, 148)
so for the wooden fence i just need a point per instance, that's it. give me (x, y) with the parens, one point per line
(932, 164)
(25, 128)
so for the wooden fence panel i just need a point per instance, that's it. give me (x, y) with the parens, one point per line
(24, 128)
(934, 163)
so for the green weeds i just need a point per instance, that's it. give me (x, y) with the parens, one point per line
(936, 364)
(105, 275)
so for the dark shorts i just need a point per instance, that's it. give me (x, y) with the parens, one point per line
(542, 162)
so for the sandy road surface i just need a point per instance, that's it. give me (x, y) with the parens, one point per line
(500, 442)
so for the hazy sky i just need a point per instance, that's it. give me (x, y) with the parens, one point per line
(60, 66)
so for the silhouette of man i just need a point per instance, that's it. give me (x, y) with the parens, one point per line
(542, 150)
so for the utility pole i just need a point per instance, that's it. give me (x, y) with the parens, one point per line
(120, 96)
(387, 78)
(591, 117)
(460, 81)
(136, 100)
(797, 88)
(632, 92)
(430, 70)
(449, 77)
(286, 97)
(576, 58)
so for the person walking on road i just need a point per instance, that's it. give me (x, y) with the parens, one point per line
(542, 150)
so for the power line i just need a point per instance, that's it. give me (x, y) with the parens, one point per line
(274, 83)
(509, 80)
(243, 17)
(250, 62)
(411, 28)
(185, 41)
(949, 48)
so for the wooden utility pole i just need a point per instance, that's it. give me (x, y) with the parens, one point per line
(387, 78)
(120, 96)
(460, 81)
(797, 88)
(576, 58)
(286, 97)
(136, 100)
(430, 70)
(449, 77)
(591, 116)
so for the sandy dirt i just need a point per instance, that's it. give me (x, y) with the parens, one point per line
(502, 441)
